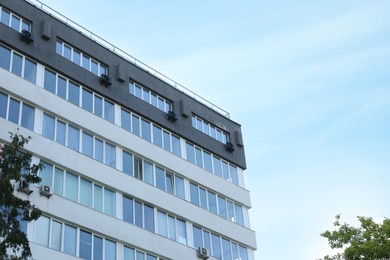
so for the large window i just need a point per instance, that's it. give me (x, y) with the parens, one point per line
(80, 58)
(16, 111)
(150, 97)
(210, 129)
(14, 21)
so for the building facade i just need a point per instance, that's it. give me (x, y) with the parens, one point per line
(135, 165)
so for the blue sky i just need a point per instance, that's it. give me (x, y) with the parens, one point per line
(308, 80)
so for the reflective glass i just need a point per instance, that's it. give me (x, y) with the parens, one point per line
(86, 193)
(230, 210)
(135, 125)
(46, 174)
(76, 57)
(243, 253)
(212, 202)
(127, 163)
(176, 145)
(42, 237)
(128, 253)
(145, 95)
(15, 23)
(94, 67)
(203, 199)
(194, 194)
(197, 237)
(148, 173)
(48, 126)
(25, 26)
(225, 170)
(109, 202)
(67, 52)
(160, 178)
(207, 241)
(30, 71)
(98, 106)
(140, 256)
(157, 136)
(207, 161)
(3, 105)
(125, 120)
(87, 148)
(153, 100)
(226, 250)
(216, 245)
(13, 114)
(59, 47)
(5, 15)
(85, 245)
(179, 186)
(222, 207)
(97, 197)
(138, 92)
(110, 250)
(128, 210)
(138, 168)
(198, 157)
(97, 248)
(17, 64)
(5, 57)
(70, 240)
(138, 214)
(146, 131)
(239, 215)
(103, 69)
(150, 257)
(233, 174)
(181, 231)
(61, 132)
(98, 150)
(55, 240)
(160, 103)
(149, 218)
(131, 88)
(171, 228)
(87, 100)
(49, 81)
(162, 224)
(217, 166)
(235, 251)
(190, 153)
(74, 93)
(85, 62)
(58, 181)
(73, 138)
(71, 187)
(61, 87)
(28, 115)
(110, 156)
(167, 141)
(169, 182)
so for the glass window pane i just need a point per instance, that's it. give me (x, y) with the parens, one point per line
(86, 193)
(109, 202)
(61, 132)
(87, 100)
(225, 171)
(85, 245)
(212, 202)
(157, 136)
(138, 168)
(59, 47)
(5, 16)
(171, 228)
(97, 248)
(207, 161)
(190, 153)
(218, 135)
(222, 207)
(98, 106)
(217, 166)
(235, 251)
(160, 103)
(153, 100)
(15, 23)
(199, 124)
(148, 173)
(194, 194)
(167, 106)
(150, 257)
(227, 254)
(71, 187)
(70, 240)
(167, 141)
(203, 199)
(76, 57)
(131, 88)
(30, 71)
(181, 231)
(197, 237)
(73, 138)
(138, 214)
(162, 224)
(94, 67)
(13, 113)
(176, 145)
(109, 112)
(127, 163)
(86, 62)
(138, 92)
(110, 250)
(160, 178)
(46, 174)
(48, 126)
(135, 125)
(243, 253)
(216, 244)
(198, 157)
(28, 115)
(149, 218)
(146, 132)
(97, 198)
(169, 182)
(67, 52)
(110, 156)
(206, 128)
(25, 26)
(58, 181)
(140, 256)
(125, 120)
(5, 58)
(230, 211)
(128, 210)
(128, 253)
(87, 144)
(98, 150)
(179, 185)
(42, 237)
(239, 215)
(212, 132)
(50, 81)
(56, 229)
(74, 93)
(3, 105)
(233, 174)
(145, 95)
(207, 241)
(103, 69)
(61, 87)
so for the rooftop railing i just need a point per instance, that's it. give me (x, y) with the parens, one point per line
(126, 56)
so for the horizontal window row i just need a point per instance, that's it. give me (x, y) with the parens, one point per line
(150, 132)
(131, 122)
(210, 129)
(16, 111)
(73, 187)
(148, 172)
(14, 21)
(79, 96)
(216, 204)
(219, 247)
(211, 163)
(78, 140)
(147, 217)
(81, 243)
(18, 64)
(80, 58)
(150, 97)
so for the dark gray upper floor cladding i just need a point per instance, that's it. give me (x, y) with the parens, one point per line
(46, 30)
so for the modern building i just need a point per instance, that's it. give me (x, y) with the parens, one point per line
(136, 165)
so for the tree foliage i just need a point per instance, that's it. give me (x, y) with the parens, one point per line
(15, 165)
(369, 241)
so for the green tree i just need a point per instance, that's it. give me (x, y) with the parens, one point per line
(15, 165)
(369, 241)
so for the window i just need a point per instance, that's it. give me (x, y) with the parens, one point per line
(110, 250)
(18, 113)
(128, 210)
(148, 173)
(70, 235)
(216, 246)
(194, 194)
(87, 148)
(56, 230)
(179, 186)
(87, 100)
(109, 202)
(86, 193)
(74, 93)
(5, 57)
(149, 97)
(222, 207)
(109, 111)
(14, 21)
(210, 129)
(157, 136)
(125, 120)
(85, 245)
(3, 105)
(146, 131)
(71, 187)
(42, 237)
(127, 163)
(28, 117)
(73, 137)
(110, 157)
(149, 218)
(97, 248)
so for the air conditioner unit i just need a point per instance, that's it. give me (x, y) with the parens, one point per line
(229, 147)
(105, 80)
(26, 36)
(202, 253)
(46, 191)
(171, 116)
(24, 186)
